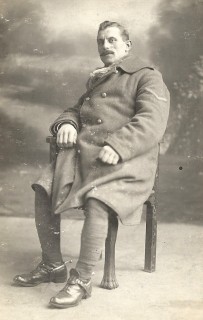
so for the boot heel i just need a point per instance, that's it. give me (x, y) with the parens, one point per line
(58, 279)
(86, 295)
(58, 276)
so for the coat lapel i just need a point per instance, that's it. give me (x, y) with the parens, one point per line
(100, 80)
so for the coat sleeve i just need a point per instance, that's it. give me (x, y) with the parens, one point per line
(70, 115)
(146, 128)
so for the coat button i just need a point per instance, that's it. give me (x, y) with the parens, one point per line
(103, 94)
(99, 121)
(88, 98)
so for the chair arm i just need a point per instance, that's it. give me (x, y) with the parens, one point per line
(51, 139)
(53, 148)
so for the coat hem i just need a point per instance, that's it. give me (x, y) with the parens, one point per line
(115, 210)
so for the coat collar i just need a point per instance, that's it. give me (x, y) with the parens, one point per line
(130, 64)
(133, 64)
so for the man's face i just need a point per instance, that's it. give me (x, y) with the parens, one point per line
(111, 45)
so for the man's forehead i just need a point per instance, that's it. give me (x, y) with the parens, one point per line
(109, 32)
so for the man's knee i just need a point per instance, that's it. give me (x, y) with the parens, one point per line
(96, 210)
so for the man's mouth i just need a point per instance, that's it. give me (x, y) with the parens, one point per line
(107, 53)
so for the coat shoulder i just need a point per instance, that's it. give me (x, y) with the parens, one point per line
(150, 76)
(133, 64)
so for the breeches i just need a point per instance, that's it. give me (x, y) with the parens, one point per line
(93, 235)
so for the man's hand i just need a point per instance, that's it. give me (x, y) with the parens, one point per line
(108, 155)
(66, 136)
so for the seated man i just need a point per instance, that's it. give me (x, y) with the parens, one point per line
(107, 161)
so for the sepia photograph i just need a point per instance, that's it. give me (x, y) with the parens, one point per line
(101, 159)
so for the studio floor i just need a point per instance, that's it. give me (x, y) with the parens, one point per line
(173, 292)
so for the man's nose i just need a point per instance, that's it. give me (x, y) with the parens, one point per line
(106, 44)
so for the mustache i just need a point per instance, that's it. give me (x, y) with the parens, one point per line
(106, 52)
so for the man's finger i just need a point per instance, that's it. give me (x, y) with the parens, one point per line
(115, 159)
(65, 138)
(71, 136)
(59, 140)
(75, 138)
(110, 159)
(105, 156)
(101, 154)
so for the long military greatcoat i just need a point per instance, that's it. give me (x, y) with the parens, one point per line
(128, 110)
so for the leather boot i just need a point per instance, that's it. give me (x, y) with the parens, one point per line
(74, 291)
(43, 273)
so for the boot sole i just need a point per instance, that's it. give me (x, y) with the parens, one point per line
(60, 306)
(19, 283)
(22, 284)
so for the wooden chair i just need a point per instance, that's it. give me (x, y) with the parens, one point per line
(109, 278)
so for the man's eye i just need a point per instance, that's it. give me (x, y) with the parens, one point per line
(111, 40)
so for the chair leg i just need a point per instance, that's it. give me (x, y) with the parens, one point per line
(109, 278)
(151, 237)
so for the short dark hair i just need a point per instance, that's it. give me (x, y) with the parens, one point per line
(123, 31)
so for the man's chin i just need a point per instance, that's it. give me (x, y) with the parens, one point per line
(107, 60)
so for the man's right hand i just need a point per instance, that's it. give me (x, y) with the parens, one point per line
(66, 136)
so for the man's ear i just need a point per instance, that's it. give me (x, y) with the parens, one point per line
(129, 45)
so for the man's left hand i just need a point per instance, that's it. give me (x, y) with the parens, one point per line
(108, 155)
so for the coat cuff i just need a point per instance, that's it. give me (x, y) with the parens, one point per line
(55, 128)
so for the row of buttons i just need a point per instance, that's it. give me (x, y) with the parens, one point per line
(103, 94)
